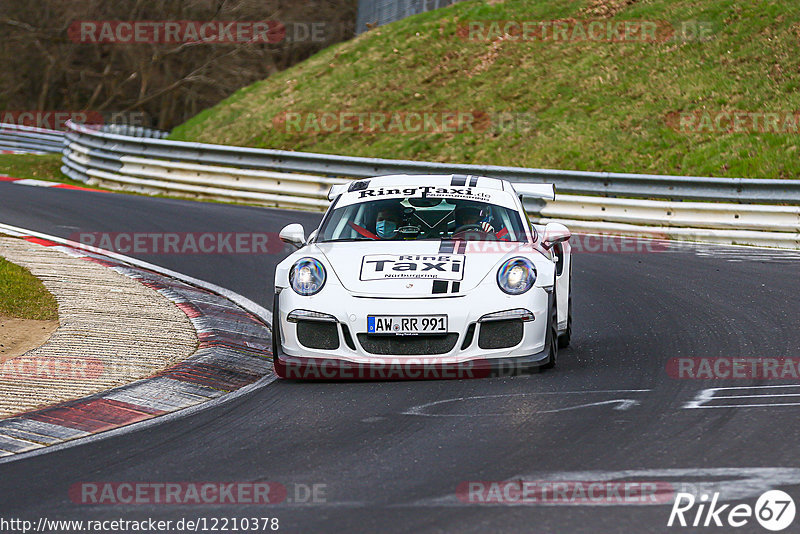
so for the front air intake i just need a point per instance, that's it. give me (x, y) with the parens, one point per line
(502, 334)
(318, 335)
(408, 345)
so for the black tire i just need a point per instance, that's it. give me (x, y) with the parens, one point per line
(552, 340)
(565, 338)
(280, 369)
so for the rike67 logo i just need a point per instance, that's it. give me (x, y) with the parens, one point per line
(774, 510)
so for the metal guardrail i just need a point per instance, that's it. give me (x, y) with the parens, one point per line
(27, 139)
(732, 210)
(743, 224)
(130, 131)
(106, 146)
(148, 164)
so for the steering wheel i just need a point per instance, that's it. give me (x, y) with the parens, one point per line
(467, 227)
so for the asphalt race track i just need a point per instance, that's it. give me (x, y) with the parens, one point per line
(391, 455)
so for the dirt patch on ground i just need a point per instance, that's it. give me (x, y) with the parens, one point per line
(18, 336)
(605, 8)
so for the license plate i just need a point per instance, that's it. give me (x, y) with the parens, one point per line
(407, 324)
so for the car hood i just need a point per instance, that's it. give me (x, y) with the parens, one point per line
(416, 269)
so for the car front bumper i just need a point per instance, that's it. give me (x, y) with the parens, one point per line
(358, 354)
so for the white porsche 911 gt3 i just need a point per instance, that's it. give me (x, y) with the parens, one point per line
(411, 274)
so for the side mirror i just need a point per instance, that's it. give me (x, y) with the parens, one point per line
(294, 234)
(555, 233)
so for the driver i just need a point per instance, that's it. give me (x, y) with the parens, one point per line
(471, 216)
(387, 221)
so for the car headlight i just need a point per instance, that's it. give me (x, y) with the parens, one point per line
(516, 276)
(307, 277)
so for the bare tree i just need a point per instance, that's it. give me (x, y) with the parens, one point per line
(47, 68)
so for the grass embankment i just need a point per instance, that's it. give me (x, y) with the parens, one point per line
(584, 105)
(45, 167)
(23, 296)
(37, 166)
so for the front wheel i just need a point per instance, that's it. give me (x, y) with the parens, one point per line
(552, 340)
(280, 369)
(565, 338)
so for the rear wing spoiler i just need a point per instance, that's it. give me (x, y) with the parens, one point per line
(543, 191)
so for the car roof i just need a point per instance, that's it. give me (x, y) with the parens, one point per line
(490, 186)
(418, 180)
(438, 180)
(459, 186)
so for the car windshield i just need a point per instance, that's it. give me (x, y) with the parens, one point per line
(419, 218)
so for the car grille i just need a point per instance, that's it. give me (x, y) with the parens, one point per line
(408, 345)
(500, 334)
(318, 335)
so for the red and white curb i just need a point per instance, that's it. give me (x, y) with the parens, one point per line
(234, 352)
(34, 152)
(44, 183)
